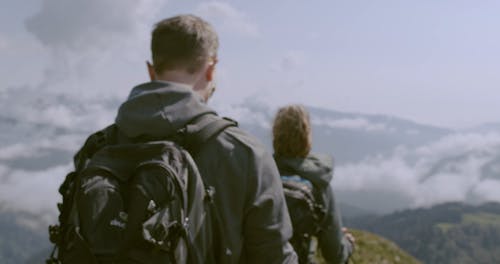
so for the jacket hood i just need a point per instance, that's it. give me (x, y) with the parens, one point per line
(316, 168)
(158, 109)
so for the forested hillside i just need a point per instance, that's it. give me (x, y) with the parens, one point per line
(447, 233)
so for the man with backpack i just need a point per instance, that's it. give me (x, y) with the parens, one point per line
(136, 195)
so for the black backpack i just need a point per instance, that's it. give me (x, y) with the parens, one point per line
(306, 213)
(136, 201)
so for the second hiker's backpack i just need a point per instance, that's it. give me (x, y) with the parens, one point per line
(306, 214)
(135, 202)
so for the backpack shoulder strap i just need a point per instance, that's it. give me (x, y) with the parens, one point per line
(203, 129)
(193, 136)
(93, 144)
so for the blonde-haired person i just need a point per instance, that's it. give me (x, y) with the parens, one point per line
(292, 140)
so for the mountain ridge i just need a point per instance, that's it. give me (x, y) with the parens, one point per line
(446, 233)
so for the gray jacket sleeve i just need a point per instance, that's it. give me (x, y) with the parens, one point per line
(335, 248)
(267, 226)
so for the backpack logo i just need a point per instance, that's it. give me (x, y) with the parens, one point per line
(120, 221)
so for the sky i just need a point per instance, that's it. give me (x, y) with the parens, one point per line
(66, 65)
(434, 62)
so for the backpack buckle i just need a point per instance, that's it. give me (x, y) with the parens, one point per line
(55, 234)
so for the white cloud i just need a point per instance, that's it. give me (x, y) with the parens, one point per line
(488, 189)
(35, 148)
(246, 115)
(16, 151)
(450, 169)
(81, 114)
(378, 173)
(94, 116)
(85, 25)
(352, 123)
(88, 43)
(93, 41)
(35, 192)
(226, 17)
(460, 143)
(451, 185)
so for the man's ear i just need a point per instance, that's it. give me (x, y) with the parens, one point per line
(210, 72)
(151, 71)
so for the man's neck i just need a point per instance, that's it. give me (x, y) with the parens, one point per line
(177, 77)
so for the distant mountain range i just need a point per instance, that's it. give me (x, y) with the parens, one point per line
(446, 233)
(349, 137)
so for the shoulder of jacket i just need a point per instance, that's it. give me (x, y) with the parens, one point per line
(241, 139)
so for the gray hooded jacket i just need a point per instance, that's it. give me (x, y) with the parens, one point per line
(318, 169)
(248, 191)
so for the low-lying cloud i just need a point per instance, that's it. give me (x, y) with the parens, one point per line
(451, 169)
(358, 123)
(34, 192)
(247, 115)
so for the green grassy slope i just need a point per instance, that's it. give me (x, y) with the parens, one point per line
(449, 233)
(373, 249)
